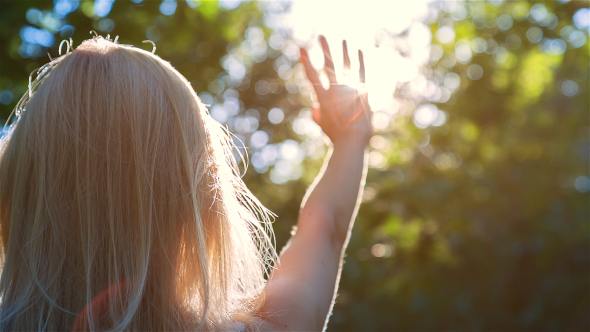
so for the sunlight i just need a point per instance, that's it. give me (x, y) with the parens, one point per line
(366, 25)
(352, 80)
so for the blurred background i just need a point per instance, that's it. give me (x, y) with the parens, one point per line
(476, 210)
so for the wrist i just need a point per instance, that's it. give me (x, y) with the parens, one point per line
(350, 141)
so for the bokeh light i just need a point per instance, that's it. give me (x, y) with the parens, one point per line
(478, 166)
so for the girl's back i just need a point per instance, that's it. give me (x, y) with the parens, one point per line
(122, 208)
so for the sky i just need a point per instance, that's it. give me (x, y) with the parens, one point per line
(365, 25)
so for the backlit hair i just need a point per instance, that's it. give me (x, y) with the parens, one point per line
(115, 177)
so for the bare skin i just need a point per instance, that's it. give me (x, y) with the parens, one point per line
(301, 291)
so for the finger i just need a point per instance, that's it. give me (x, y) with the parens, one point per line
(346, 57)
(311, 73)
(328, 63)
(362, 67)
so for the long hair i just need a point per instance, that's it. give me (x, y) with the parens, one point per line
(114, 173)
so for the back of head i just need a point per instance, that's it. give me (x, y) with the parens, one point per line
(115, 173)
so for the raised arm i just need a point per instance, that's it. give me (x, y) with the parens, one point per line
(301, 290)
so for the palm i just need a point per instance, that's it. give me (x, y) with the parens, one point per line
(344, 111)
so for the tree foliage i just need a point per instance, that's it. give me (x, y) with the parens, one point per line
(482, 224)
(476, 213)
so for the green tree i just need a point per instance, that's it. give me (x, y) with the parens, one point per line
(476, 213)
(482, 219)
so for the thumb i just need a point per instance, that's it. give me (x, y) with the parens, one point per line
(316, 114)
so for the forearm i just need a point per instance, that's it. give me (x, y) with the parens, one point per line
(334, 196)
(300, 292)
(305, 280)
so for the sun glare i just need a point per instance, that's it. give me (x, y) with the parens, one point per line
(365, 25)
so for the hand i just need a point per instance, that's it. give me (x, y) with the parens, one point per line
(344, 113)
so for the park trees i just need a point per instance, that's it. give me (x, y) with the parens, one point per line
(476, 210)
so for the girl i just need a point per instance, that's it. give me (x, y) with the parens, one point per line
(121, 207)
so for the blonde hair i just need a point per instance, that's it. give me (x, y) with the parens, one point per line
(115, 172)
